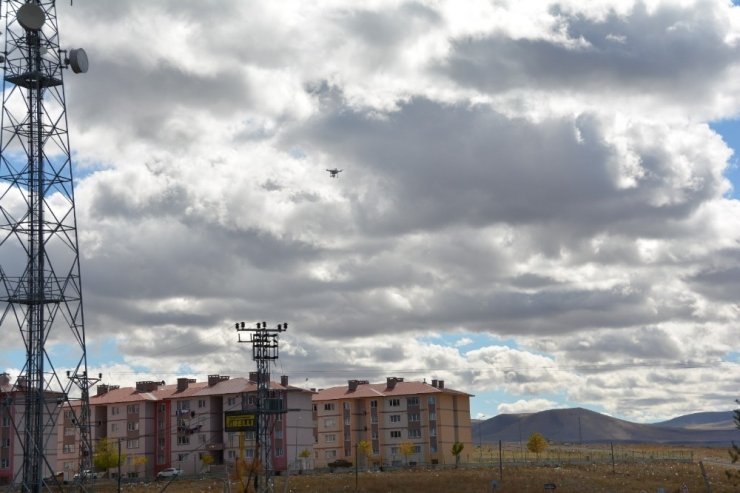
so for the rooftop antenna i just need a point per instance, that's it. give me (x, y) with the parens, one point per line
(40, 283)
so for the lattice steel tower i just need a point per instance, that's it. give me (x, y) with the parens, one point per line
(41, 293)
(264, 351)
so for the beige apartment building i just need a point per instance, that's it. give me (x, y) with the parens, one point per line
(390, 416)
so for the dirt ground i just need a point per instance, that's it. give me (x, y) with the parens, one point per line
(581, 479)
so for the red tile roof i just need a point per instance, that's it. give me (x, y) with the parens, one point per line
(381, 390)
(194, 389)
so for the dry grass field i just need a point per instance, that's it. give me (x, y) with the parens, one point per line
(622, 477)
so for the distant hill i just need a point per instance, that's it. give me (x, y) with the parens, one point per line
(702, 421)
(578, 425)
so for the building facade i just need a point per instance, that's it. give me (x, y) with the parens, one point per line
(398, 422)
(181, 425)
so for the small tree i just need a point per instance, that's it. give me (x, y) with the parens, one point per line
(406, 449)
(537, 443)
(305, 454)
(140, 460)
(106, 455)
(207, 460)
(365, 447)
(457, 449)
(734, 451)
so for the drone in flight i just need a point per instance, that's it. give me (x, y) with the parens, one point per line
(334, 172)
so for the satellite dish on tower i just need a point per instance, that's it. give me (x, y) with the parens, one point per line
(78, 61)
(31, 17)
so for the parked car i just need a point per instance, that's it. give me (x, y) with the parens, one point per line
(86, 474)
(339, 463)
(170, 472)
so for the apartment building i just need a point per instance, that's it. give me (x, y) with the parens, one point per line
(391, 416)
(13, 425)
(159, 425)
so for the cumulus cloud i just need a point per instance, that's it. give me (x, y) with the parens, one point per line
(539, 171)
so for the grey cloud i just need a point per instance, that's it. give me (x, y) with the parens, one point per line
(670, 52)
(440, 164)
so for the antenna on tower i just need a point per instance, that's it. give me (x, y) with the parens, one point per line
(264, 351)
(40, 282)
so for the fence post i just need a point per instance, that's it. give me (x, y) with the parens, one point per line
(613, 468)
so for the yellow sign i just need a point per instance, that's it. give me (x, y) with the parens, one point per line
(240, 421)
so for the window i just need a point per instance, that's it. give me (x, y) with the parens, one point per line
(394, 450)
(133, 474)
(346, 406)
(414, 433)
(329, 406)
(374, 404)
(181, 457)
(279, 452)
(330, 423)
(414, 417)
(231, 401)
(201, 403)
(113, 427)
(132, 409)
(417, 449)
(6, 442)
(6, 420)
(68, 448)
(202, 439)
(412, 401)
(251, 435)
(330, 438)
(114, 411)
(374, 418)
(183, 440)
(394, 402)
(231, 454)
(346, 421)
(330, 454)
(160, 440)
(252, 400)
(183, 405)
(69, 415)
(432, 400)
(395, 418)
(376, 450)
(132, 443)
(249, 453)
(432, 432)
(432, 416)
(396, 434)
(233, 440)
(279, 434)
(4, 463)
(132, 426)
(375, 435)
(162, 408)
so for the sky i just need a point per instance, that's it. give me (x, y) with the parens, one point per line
(538, 202)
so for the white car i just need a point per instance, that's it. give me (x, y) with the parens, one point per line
(87, 474)
(170, 472)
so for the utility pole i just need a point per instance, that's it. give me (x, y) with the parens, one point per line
(40, 283)
(264, 351)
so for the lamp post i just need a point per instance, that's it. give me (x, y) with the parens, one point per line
(482, 418)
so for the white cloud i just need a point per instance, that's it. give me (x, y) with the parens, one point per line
(543, 173)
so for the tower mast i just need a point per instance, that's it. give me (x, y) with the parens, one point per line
(40, 285)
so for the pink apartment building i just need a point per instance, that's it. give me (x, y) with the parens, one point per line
(159, 425)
